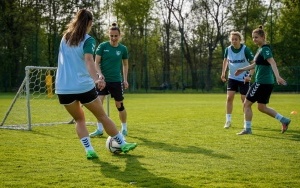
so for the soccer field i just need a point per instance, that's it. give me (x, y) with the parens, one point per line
(181, 144)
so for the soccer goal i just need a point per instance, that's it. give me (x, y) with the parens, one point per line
(36, 103)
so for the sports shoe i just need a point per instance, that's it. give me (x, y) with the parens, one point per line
(96, 133)
(128, 146)
(245, 131)
(227, 125)
(285, 124)
(90, 154)
(124, 132)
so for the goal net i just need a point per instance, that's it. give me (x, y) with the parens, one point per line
(36, 102)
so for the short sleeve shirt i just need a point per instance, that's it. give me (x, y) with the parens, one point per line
(263, 69)
(111, 60)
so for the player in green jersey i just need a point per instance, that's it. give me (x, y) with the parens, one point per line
(112, 59)
(260, 91)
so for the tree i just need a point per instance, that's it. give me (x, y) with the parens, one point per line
(288, 34)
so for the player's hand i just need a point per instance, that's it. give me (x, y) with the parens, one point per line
(126, 85)
(281, 81)
(100, 84)
(223, 78)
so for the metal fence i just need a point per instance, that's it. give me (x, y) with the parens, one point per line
(179, 83)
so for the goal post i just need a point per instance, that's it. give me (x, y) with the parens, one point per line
(36, 104)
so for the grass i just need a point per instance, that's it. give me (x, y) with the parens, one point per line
(182, 143)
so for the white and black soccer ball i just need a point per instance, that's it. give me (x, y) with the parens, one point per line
(113, 146)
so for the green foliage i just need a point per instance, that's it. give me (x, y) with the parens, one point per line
(182, 143)
(31, 31)
(288, 34)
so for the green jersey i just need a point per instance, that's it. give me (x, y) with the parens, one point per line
(111, 60)
(263, 69)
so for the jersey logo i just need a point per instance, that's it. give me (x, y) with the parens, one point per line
(106, 50)
(118, 53)
(237, 61)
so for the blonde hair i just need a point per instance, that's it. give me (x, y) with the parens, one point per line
(238, 34)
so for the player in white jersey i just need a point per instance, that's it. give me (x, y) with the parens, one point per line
(237, 55)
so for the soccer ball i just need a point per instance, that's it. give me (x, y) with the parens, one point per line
(113, 146)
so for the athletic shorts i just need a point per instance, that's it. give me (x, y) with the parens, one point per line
(260, 93)
(84, 98)
(235, 85)
(115, 89)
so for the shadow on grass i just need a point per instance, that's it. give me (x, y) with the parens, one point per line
(135, 174)
(189, 149)
(292, 135)
(288, 135)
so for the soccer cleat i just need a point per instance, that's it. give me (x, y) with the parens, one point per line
(285, 125)
(128, 146)
(227, 125)
(124, 132)
(245, 131)
(90, 154)
(96, 133)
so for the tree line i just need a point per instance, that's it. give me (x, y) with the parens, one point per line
(172, 43)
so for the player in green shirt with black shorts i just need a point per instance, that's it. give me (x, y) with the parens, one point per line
(112, 58)
(260, 91)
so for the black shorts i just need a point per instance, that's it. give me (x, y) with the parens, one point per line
(115, 89)
(235, 85)
(260, 93)
(84, 98)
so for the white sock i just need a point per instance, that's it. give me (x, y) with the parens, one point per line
(86, 142)
(247, 124)
(124, 126)
(278, 116)
(100, 126)
(120, 139)
(228, 117)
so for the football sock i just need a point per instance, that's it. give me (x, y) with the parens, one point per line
(100, 126)
(228, 117)
(86, 142)
(120, 139)
(247, 124)
(124, 126)
(278, 116)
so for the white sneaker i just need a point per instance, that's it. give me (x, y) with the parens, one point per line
(227, 125)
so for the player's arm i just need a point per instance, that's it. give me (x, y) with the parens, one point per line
(250, 57)
(275, 71)
(247, 68)
(97, 66)
(224, 67)
(88, 49)
(89, 61)
(125, 72)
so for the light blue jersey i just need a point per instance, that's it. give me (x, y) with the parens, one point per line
(72, 76)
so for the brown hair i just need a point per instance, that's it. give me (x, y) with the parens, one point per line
(260, 31)
(114, 26)
(77, 27)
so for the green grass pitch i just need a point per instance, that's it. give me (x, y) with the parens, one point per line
(182, 144)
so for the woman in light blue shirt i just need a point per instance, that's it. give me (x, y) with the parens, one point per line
(76, 79)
